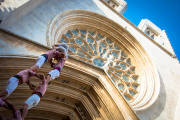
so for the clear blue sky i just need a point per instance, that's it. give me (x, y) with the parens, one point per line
(163, 13)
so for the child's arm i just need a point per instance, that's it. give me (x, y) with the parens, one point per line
(31, 86)
(54, 46)
(42, 77)
(11, 105)
(37, 75)
(63, 55)
(51, 63)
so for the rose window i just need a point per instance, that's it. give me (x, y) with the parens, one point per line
(97, 49)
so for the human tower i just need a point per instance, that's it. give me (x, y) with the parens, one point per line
(59, 53)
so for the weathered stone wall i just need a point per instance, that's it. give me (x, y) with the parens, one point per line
(35, 26)
(12, 11)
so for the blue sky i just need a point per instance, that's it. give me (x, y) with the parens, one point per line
(163, 13)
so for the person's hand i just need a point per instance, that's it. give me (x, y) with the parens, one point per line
(28, 82)
(4, 99)
(41, 76)
(52, 65)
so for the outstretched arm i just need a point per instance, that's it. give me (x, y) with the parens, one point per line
(31, 86)
(37, 75)
(51, 63)
(63, 55)
(11, 105)
(54, 46)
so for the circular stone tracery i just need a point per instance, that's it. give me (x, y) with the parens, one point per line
(93, 45)
(147, 77)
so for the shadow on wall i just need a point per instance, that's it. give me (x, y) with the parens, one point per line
(158, 107)
(1, 1)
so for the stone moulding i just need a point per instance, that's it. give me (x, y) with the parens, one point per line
(81, 19)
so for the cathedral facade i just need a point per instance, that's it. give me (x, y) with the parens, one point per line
(115, 70)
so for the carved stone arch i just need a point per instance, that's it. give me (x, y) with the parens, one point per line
(148, 75)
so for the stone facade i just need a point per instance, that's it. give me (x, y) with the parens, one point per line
(83, 90)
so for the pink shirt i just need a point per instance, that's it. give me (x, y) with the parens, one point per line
(60, 63)
(51, 54)
(26, 74)
(42, 87)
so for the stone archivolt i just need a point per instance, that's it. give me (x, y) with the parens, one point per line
(79, 24)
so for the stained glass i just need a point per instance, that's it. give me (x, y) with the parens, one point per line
(95, 53)
(68, 35)
(91, 33)
(133, 70)
(100, 49)
(134, 78)
(103, 45)
(100, 36)
(90, 54)
(111, 70)
(118, 72)
(63, 40)
(117, 48)
(71, 42)
(115, 78)
(108, 41)
(104, 51)
(117, 75)
(83, 32)
(121, 87)
(87, 57)
(82, 37)
(127, 98)
(132, 93)
(90, 40)
(125, 78)
(123, 66)
(84, 49)
(94, 47)
(122, 53)
(128, 73)
(98, 62)
(75, 32)
(135, 86)
(81, 52)
(128, 62)
(80, 55)
(91, 47)
(117, 67)
(78, 41)
(115, 54)
(109, 74)
(72, 49)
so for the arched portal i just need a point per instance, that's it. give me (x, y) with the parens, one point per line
(93, 37)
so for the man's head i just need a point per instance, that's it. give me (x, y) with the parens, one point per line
(63, 48)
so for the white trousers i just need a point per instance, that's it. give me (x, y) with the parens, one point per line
(54, 74)
(40, 61)
(11, 85)
(32, 101)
